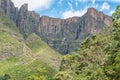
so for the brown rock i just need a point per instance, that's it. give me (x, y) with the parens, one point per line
(64, 35)
(8, 8)
(27, 21)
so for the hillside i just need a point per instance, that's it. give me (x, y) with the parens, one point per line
(26, 56)
(42, 51)
(11, 41)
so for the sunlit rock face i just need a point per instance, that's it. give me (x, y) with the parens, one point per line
(64, 35)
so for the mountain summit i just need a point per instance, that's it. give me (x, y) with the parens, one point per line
(64, 35)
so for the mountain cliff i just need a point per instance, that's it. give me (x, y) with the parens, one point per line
(64, 35)
(21, 58)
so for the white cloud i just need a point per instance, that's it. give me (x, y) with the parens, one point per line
(34, 4)
(70, 13)
(111, 12)
(105, 6)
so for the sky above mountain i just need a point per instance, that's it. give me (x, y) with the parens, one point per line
(68, 8)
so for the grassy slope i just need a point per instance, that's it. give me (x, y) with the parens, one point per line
(42, 51)
(12, 47)
(11, 41)
(23, 71)
(16, 58)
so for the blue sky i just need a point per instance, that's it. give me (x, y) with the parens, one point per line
(68, 8)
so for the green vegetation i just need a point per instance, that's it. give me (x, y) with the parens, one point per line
(10, 39)
(98, 57)
(42, 51)
(112, 66)
(8, 26)
(35, 43)
(35, 70)
(30, 59)
(87, 63)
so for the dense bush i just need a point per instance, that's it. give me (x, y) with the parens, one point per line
(98, 57)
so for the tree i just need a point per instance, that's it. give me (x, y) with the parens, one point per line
(112, 66)
(87, 63)
(64, 75)
(5, 77)
(98, 57)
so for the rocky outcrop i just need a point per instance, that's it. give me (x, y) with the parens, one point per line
(64, 35)
(7, 7)
(27, 21)
(94, 21)
(58, 33)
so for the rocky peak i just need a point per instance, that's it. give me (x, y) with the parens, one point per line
(94, 13)
(24, 7)
(73, 19)
(99, 15)
(27, 21)
(92, 10)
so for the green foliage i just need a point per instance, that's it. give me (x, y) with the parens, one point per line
(22, 67)
(98, 57)
(35, 70)
(64, 75)
(112, 66)
(43, 52)
(16, 59)
(5, 77)
(32, 77)
(9, 44)
(8, 26)
(35, 43)
(11, 41)
(88, 62)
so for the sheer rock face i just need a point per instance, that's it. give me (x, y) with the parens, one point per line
(96, 21)
(64, 35)
(27, 21)
(7, 7)
(59, 33)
